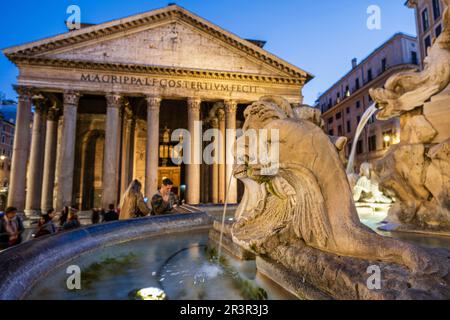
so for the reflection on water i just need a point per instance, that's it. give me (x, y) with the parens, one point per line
(373, 220)
(176, 264)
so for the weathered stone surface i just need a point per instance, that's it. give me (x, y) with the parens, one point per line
(417, 129)
(227, 242)
(437, 112)
(340, 277)
(303, 215)
(420, 181)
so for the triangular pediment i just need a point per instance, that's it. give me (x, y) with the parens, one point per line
(173, 44)
(171, 37)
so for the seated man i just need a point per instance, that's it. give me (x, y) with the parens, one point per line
(111, 215)
(164, 201)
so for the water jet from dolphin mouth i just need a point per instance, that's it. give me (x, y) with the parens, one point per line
(364, 119)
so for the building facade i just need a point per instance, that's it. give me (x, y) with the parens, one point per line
(344, 104)
(428, 22)
(6, 147)
(107, 96)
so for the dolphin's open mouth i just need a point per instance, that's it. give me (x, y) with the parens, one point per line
(240, 171)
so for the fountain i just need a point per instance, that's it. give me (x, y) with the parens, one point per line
(417, 169)
(297, 231)
(304, 233)
(297, 236)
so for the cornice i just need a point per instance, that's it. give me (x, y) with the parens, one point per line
(154, 70)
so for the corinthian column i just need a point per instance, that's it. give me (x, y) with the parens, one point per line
(67, 156)
(16, 195)
(215, 166)
(127, 146)
(193, 168)
(35, 167)
(48, 179)
(152, 165)
(230, 119)
(221, 156)
(110, 181)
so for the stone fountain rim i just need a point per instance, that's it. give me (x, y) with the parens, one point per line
(23, 266)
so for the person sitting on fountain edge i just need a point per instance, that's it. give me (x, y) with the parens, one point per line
(164, 201)
(11, 229)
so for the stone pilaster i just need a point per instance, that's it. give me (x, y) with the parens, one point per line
(152, 153)
(48, 180)
(193, 168)
(16, 195)
(230, 120)
(112, 143)
(67, 156)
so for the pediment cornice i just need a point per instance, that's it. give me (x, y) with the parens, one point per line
(157, 70)
(35, 50)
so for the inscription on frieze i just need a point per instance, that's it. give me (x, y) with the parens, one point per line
(143, 81)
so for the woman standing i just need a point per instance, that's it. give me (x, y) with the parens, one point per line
(132, 204)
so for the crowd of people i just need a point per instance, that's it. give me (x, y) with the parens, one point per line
(132, 205)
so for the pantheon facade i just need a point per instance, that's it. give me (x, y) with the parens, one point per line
(107, 97)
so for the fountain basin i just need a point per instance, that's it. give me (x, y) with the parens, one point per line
(165, 254)
(24, 265)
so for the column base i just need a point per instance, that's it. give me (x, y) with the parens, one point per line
(32, 213)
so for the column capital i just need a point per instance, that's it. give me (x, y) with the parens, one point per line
(71, 97)
(230, 106)
(194, 104)
(40, 104)
(113, 100)
(153, 102)
(25, 93)
(53, 114)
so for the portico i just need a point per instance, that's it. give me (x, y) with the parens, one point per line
(105, 98)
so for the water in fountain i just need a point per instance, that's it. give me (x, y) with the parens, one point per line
(365, 118)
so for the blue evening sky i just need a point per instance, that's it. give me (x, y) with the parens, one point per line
(319, 36)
